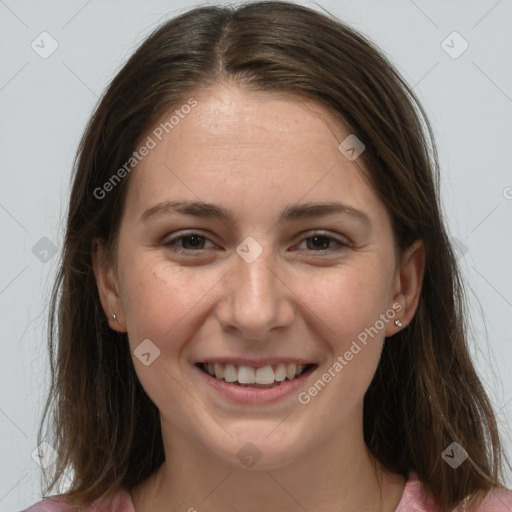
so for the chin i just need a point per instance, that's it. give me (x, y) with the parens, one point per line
(255, 449)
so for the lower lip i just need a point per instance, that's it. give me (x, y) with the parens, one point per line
(248, 395)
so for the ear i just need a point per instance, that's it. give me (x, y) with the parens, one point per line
(108, 290)
(408, 283)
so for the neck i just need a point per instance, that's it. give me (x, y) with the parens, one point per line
(335, 476)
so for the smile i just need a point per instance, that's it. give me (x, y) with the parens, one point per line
(264, 377)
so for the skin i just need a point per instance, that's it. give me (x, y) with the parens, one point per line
(255, 154)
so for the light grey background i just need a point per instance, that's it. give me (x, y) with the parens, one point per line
(46, 102)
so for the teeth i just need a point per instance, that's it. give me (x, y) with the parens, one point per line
(229, 373)
(291, 370)
(265, 375)
(280, 373)
(246, 375)
(219, 371)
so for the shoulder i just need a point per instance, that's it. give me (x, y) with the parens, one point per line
(121, 502)
(498, 500)
(52, 504)
(415, 499)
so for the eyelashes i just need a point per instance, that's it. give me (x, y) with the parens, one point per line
(318, 243)
(171, 244)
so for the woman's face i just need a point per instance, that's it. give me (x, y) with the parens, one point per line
(277, 282)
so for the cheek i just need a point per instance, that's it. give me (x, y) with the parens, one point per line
(166, 305)
(348, 308)
(163, 300)
(349, 300)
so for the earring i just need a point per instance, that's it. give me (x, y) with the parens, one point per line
(398, 323)
(114, 316)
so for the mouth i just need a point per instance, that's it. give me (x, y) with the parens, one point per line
(269, 376)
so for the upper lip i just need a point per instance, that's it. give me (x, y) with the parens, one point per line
(255, 363)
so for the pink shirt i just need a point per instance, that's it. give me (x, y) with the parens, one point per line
(413, 499)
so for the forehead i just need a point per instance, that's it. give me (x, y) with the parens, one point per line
(228, 117)
(249, 148)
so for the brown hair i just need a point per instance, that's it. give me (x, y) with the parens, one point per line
(425, 393)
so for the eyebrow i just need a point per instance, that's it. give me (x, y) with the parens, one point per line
(290, 213)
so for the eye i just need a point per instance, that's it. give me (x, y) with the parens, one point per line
(319, 242)
(190, 242)
(195, 242)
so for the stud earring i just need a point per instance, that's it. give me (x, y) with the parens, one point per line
(114, 316)
(398, 323)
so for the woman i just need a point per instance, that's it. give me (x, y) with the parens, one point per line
(258, 307)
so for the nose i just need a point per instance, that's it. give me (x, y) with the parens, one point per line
(257, 299)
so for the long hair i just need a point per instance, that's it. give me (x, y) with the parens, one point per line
(425, 394)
